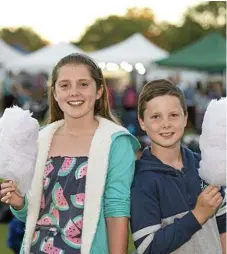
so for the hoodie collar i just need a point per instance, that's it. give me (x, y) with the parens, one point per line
(150, 162)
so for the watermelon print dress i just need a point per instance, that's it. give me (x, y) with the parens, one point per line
(59, 227)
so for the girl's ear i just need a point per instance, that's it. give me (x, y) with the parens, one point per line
(54, 94)
(99, 93)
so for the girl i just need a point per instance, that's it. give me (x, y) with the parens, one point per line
(79, 201)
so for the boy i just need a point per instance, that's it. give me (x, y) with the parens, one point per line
(170, 212)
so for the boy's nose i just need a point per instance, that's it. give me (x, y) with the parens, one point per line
(166, 123)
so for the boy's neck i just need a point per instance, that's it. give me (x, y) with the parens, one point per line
(170, 156)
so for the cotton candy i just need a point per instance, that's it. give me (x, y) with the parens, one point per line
(213, 144)
(18, 147)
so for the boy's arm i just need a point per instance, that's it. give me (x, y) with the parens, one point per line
(148, 234)
(221, 221)
(223, 242)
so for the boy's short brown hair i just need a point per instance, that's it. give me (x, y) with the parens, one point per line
(157, 88)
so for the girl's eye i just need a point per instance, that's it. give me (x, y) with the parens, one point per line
(174, 115)
(64, 85)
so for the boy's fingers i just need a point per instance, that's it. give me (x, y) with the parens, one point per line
(208, 189)
(213, 192)
(216, 197)
(219, 201)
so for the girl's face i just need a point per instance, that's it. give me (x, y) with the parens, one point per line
(75, 91)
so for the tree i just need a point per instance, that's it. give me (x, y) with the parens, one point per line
(197, 22)
(113, 29)
(22, 37)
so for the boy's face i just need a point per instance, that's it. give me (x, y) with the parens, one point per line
(164, 121)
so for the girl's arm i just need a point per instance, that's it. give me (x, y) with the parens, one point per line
(117, 193)
(117, 235)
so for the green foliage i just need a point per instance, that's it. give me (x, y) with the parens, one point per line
(197, 22)
(23, 36)
(111, 30)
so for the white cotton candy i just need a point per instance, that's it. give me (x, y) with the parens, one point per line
(213, 144)
(18, 147)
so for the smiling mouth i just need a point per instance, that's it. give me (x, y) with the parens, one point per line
(75, 103)
(167, 134)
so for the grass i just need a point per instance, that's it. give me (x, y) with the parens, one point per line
(3, 236)
(5, 250)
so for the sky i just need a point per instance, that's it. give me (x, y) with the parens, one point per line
(66, 20)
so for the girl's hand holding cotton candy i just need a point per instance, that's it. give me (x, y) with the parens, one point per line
(18, 147)
(213, 144)
(9, 195)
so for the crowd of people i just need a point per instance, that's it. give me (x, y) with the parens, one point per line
(86, 193)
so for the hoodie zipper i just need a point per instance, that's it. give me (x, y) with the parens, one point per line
(188, 196)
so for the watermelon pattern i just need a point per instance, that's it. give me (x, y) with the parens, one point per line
(72, 231)
(49, 168)
(35, 237)
(55, 213)
(63, 196)
(81, 170)
(48, 247)
(47, 220)
(58, 198)
(67, 165)
(42, 205)
(78, 200)
(46, 182)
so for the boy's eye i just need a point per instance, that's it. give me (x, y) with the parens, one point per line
(155, 117)
(174, 115)
(83, 84)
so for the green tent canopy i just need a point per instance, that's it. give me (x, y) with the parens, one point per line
(207, 54)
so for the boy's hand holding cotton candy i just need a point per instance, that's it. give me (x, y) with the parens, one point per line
(213, 144)
(18, 147)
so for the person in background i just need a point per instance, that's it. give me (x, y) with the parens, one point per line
(189, 94)
(8, 93)
(173, 210)
(201, 101)
(15, 235)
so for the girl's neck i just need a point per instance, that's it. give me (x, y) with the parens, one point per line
(80, 127)
(170, 156)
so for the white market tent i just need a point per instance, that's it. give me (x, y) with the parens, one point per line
(135, 49)
(44, 59)
(8, 54)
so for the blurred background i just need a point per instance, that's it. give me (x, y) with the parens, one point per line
(133, 41)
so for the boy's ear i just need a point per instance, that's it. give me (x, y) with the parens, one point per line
(141, 122)
(185, 119)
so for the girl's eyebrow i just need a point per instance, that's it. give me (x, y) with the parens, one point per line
(63, 80)
(66, 80)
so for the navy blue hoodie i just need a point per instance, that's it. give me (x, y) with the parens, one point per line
(162, 200)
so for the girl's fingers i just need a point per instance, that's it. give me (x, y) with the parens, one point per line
(6, 198)
(6, 190)
(7, 184)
